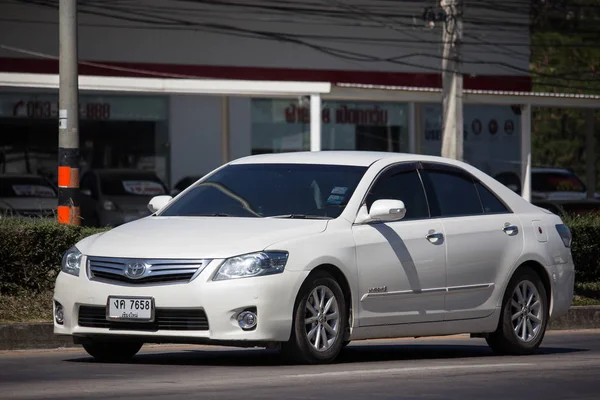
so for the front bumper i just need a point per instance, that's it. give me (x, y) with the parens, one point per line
(272, 296)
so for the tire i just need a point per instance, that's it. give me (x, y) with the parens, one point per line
(505, 340)
(302, 346)
(112, 351)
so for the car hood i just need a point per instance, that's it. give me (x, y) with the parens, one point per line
(196, 237)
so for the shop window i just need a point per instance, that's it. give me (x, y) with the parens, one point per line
(284, 125)
(117, 132)
(491, 137)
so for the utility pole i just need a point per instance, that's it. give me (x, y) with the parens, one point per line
(452, 81)
(68, 118)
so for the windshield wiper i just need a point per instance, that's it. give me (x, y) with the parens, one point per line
(213, 215)
(300, 216)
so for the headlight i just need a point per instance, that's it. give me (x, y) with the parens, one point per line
(109, 205)
(71, 261)
(255, 264)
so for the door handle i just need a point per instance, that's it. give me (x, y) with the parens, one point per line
(510, 230)
(435, 237)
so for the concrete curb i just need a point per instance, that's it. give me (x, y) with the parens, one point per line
(40, 335)
(581, 317)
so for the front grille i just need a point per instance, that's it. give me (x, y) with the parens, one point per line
(152, 271)
(169, 319)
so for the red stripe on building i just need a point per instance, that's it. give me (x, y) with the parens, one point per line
(482, 82)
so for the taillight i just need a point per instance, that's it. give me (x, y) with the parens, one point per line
(565, 234)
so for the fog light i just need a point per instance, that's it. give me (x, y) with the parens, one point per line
(59, 313)
(247, 320)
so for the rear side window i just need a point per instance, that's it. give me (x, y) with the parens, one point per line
(404, 185)
(453, 194)
(489, 201)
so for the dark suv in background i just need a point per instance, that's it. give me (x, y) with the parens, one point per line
(111, 197)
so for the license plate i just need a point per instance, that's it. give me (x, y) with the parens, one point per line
(137, 309)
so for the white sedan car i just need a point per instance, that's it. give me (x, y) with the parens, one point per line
(308, 251)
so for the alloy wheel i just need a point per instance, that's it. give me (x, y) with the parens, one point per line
(527, 312)
(322, 318)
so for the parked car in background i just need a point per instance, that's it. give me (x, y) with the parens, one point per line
(27, 196)
(111, 197)
(557, 184)
(569, 207)
(308, 251)
(548, 184)
(183, 184)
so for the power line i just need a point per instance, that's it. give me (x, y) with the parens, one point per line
(163, 21)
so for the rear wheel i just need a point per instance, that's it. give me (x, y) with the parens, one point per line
(320, 319)
(524, 316)
(112, 351)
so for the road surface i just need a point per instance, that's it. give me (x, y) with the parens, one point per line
(567, 367)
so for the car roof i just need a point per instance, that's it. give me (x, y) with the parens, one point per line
(338, 157)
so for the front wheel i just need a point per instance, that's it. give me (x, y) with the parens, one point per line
(524, 316)
(112, 351)
(320, 321)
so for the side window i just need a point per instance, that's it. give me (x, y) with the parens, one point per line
(453, 194)
(401, 185)
(491, 204)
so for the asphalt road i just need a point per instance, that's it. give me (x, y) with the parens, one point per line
(567, 367)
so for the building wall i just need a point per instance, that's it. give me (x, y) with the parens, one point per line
(367, 41)
(195, 135)
(357, 36)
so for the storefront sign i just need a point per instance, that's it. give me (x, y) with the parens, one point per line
(343, 115)
(35, 109)
(99, 108)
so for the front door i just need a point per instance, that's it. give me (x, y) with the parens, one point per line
(401, 264)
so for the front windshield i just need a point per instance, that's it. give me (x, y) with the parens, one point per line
(271, 190)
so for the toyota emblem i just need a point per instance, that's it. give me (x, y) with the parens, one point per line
(135, 270)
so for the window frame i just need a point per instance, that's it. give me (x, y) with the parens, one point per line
(392, 169)
(508, 210)
(455, 170)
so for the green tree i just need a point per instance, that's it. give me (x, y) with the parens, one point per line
(565, 58)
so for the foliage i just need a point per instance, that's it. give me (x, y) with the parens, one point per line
(565, 58)
(31, 252)
(26, 307)
(585, 247)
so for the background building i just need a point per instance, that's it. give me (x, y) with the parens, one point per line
(373, 42)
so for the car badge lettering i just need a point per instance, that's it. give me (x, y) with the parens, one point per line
(136, 270)
(381, 289)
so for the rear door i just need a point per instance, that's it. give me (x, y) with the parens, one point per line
(483, 239)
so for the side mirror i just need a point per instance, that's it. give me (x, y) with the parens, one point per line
(158, 202)
(382, 210)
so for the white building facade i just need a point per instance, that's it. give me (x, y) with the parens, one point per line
(373, 42)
